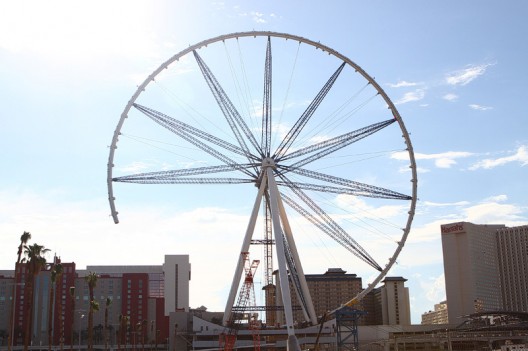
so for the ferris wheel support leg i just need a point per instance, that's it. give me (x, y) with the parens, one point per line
(245, 248)
(309, 311)
(281, 254)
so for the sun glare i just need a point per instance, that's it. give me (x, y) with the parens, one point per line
(75, 30)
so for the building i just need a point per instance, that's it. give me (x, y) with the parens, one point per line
(328, 291)
(388, 304)
(396, 309)
(177, 272)
(512, 248)
(471, 268)
(485, 268)
(16, 293)
(135, 292)
(438, 316)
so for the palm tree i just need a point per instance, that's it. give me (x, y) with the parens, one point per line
(24, 238)
(108, 303)
(91, 279)
(35, 262)
(56, 273)
(120, 337)
(123, 326)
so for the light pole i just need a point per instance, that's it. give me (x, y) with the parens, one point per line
(13, 315)
(81, 316)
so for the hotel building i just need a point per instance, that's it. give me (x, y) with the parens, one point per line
(485, 268)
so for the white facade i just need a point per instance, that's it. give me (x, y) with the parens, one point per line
(471, 269)
(177, 271)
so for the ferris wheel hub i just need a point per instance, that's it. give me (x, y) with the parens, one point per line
(268, 162)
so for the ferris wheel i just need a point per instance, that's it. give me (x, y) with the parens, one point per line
(290, 123)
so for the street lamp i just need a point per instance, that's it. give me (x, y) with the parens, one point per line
(81, 316)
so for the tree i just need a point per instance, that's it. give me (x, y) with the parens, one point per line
(120, 336)
(56, 273)
(107, 305)
(91, 279)
(35, 262)
(123, 326)
(24, 238)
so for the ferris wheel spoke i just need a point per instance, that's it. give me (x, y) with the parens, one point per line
(294, 275)
(328, 226)
(361, 189)
(233, 117)
(178, 127)
(192, 139)
(329, 146)
(266, 108)
(282, 149)
(185, 180)
(177, 173)
(340, 235)
(341, 190)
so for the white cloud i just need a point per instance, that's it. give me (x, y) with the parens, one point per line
(359, 209)
(494, 213)
(450, 97)
(434, 289)
(445, 162)
(480, 107)
(446, 204)
(134, 167)
(441, 160)
(401, 84)
(258, 17)
(520, 156)
(467, 75)
(416, 95)
(496, 198)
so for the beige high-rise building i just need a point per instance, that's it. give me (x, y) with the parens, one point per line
(395, 304)
(438, 316)
(471, 269)
(512, 247)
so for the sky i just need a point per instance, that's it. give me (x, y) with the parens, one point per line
(455, 71)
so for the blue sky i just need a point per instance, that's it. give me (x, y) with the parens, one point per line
(455, 70)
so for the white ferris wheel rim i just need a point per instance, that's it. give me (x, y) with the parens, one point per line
(317, 45)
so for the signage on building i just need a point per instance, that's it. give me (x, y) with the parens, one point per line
(452, 228)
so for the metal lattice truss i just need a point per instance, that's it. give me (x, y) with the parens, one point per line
(272, 171)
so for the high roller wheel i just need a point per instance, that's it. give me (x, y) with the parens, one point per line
(290, 121)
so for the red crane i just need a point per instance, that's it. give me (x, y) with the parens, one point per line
(246, 298)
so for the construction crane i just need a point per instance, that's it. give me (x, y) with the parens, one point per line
(246, 299)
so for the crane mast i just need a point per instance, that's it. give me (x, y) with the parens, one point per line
(246, 300)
